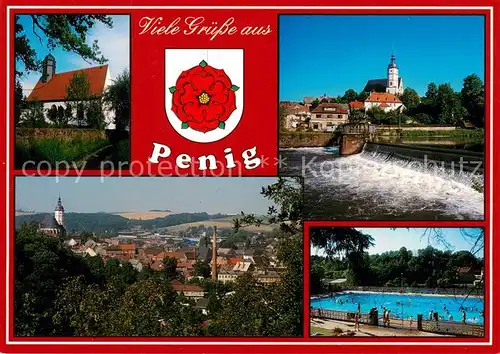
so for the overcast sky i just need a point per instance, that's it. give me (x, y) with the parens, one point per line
(213, 195)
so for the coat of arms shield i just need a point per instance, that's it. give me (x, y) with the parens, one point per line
(204, 92)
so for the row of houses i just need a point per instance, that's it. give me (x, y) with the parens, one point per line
(231, 263)
(328, 116)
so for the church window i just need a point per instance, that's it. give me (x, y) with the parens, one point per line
(390, 84)
(339, 116)
(318, 115)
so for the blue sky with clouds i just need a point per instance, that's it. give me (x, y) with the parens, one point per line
(114, 44)
(213, 195)
(387, 239)
(332, 53)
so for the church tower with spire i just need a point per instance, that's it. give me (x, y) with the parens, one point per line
(59, 212)
(394, 82)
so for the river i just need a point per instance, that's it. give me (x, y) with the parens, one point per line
(376, 186)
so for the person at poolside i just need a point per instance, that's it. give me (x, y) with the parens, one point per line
(359, 307)
(430, 315)
(356, 321)
(411, 321)
(384, 317)
(450, 318)
(463, 316)
(388, 320)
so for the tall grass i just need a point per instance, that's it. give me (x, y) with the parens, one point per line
(54, 150)
(459, 133)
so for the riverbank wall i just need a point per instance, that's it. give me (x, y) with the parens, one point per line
(306, 139)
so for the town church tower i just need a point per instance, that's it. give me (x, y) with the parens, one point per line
(59, 212)
(394, 82)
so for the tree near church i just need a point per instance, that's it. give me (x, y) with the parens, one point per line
(350, 95)
(473, 98)
(170, 267)
(356, 116)
(68, 32)
(77, 96)
(449, 105)
(201, 269)
(88, 107)
(410, 98)
(34, 115)
(347, 243)
(431, 93)
(314, 104)
(117, 97)
(19, 102)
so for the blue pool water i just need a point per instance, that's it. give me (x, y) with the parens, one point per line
(406, 305)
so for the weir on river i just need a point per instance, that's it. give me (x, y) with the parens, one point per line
(357, 138)
(384, 182)
(461, 160)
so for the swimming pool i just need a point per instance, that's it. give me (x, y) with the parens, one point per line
(406, 305)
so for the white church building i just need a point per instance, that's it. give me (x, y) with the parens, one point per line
(51, 88)
(53, 225)
(392, 84)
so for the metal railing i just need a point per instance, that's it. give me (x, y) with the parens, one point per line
(453, 328)
(340, 315)
(440, 327)
(416, 290)
(360, 128)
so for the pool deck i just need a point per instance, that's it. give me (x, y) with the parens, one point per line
(393, 293)
(374, 331)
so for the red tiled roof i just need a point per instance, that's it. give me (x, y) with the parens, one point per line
(127, 246)
(382, 97)
(323, 108)
(152, 251)
(187, 287)
(356, 104)
(158, 265)
(176, 255)
(234, 260)
(297, 109)
(187, 265)
(55, 88)
(123, 258)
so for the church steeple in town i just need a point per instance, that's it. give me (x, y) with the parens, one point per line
(59, 212)
(393, 82)
(393, 64)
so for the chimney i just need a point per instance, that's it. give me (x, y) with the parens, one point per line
(214, 254)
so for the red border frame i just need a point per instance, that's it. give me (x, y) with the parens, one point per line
(222, 345)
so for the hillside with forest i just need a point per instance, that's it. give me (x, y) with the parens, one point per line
(110, 224)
